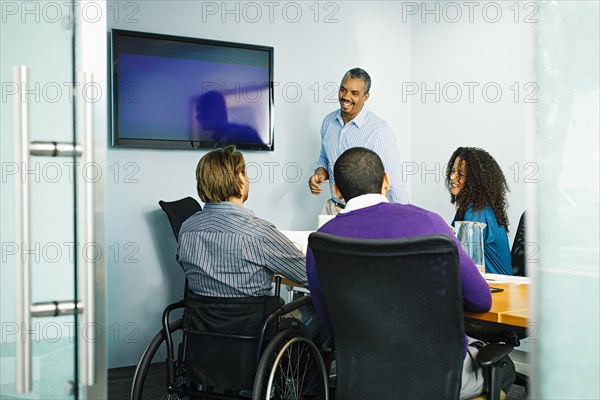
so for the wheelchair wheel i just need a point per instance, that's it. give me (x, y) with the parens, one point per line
(139, 378)
(291, 368)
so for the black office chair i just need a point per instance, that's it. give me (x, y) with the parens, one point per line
(397, 316)
(178, 211)
(519, 247)
(221, 354)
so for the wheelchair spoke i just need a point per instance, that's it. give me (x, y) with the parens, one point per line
(296, 374)
(291, 369)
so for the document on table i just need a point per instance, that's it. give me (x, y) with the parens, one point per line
(520, 280)
(299, 238)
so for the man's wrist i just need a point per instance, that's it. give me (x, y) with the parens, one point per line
(322, 172)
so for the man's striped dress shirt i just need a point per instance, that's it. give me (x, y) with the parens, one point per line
(226, 251)
(365, 130)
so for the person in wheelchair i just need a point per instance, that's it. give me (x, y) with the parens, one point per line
(225, 250)
(230, 257)
(361, 181)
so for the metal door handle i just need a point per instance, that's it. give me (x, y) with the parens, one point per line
(22, 266)
(25, 310)
(88, 354)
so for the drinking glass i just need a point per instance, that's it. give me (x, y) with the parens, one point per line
(470, 236)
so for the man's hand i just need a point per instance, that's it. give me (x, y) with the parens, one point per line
(314, 183)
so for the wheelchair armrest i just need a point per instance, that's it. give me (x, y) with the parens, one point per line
(167, 313)
(285, 309)
(169, 340)
(492, 353)
(291, 306)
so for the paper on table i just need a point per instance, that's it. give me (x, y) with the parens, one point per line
(508, 278)
(323, 219)
(299, 238)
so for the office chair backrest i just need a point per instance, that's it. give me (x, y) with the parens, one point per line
(395, 307)
(518, 250)
(178, 211)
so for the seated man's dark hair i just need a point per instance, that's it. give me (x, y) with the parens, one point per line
(358, 171)
(217, 174)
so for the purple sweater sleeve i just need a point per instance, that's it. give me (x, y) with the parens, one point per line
(475, 290)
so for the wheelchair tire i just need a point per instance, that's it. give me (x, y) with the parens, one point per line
(291, 368)
(141, 371)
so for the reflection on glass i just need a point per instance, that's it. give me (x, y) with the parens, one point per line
(215, 120)
(567, 200)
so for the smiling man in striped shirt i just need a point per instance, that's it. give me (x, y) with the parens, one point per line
(355, 126)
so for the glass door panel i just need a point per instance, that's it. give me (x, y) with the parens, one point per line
(38, 275)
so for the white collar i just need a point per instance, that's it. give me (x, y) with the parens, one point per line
(366, 200)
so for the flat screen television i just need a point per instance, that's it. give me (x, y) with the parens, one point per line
(179, 92)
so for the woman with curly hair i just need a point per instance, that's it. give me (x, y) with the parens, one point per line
(478, 189)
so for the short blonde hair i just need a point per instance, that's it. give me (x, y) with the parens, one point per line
(217, 174)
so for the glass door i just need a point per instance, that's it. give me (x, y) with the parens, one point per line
(47, 247)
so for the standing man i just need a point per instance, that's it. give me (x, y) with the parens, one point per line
(355, 126)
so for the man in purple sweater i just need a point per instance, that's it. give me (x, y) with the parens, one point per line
(362, 182)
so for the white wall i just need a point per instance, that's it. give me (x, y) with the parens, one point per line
(452, 53)
(143, 276)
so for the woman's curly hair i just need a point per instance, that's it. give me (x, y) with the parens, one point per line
(485, 184)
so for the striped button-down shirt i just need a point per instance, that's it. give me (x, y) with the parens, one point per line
(365, 130)
(226, 251)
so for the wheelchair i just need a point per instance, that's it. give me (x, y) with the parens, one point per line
(230, 348)
(290, 366)
(239, 365)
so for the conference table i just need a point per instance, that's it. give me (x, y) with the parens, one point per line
(509, 307)
(510, 312)
(509, 319)
(509, 315)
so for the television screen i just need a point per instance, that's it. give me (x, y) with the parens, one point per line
(176, 92)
